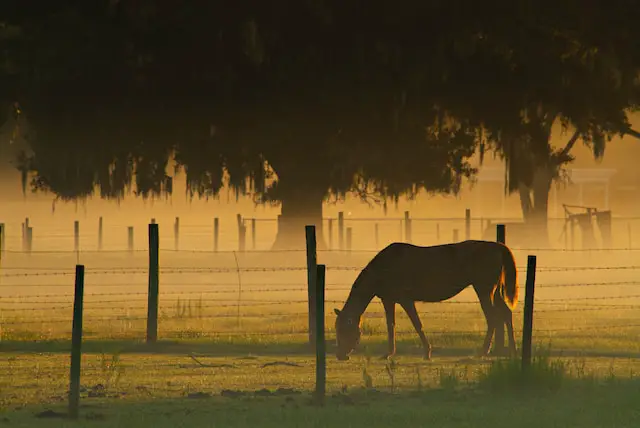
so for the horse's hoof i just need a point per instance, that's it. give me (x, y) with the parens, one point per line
(500, 352)
(482, 353)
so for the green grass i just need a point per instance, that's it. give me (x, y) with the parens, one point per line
(129, 384)
(572, 406)
(587, 377)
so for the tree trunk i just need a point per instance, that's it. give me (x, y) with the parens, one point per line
(535, 210)
(299, 209)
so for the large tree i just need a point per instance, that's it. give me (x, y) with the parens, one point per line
(297, 101)
(577, 67)
(293, 89)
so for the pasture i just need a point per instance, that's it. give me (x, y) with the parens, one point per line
(233, 350)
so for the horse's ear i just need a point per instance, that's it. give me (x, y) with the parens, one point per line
(337, 311)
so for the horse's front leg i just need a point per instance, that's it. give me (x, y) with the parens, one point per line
(412, 312)
(390, 315)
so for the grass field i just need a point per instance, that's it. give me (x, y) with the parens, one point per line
(232, 336)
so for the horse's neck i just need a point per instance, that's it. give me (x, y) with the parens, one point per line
(358, 300)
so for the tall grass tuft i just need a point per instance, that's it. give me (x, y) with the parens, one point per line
(508, 376)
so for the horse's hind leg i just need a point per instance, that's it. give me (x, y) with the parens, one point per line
(410, 309)
(506, 316)
(390, 314)
(498, 343)
(491, 317)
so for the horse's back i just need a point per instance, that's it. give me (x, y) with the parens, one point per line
(399, 250)
(432, 273)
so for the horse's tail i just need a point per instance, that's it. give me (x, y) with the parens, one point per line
(509, 278)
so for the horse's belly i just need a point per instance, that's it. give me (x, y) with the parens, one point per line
(422, 292)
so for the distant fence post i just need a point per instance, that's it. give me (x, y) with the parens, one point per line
(25, 242)
(29, 239)
(312, 260)
(242, 233)
(253, 233)
(76, 344)
(438, 233)
(349, 238)
(455, 236)
(501, 233)
(527, 328)
(2, 240)
(130, 238)
(76, 236)
(100, 233)
(498, 347)
(154, 286)
(407, 227)
(330, 233)
(467, 224)
(176, 234)
(341, 230)
(321, 354)
(216, 233)
(376, 234)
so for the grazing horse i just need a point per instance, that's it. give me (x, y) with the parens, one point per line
(404, 273)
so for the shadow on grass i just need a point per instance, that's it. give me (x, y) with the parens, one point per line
(235, 346)
(572, 405)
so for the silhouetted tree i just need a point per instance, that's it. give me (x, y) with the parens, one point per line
(297, 101)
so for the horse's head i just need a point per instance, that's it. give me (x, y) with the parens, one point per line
(347, 334)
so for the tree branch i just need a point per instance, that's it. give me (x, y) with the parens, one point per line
(570, 144)
(632, 132)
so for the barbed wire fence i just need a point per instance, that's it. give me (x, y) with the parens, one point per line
(32, 295)
(230, 295)
(338, 233)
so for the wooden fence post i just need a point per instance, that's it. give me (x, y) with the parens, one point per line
(24, 234)
(321, 354)
(76, 236)
(176, 234)
(407, 227)
(130, 238)
(455, 236)
(527, 328)
(437, 233)
(2, 240)
(501, 233)
(312, 260)
(498, 345)
(154, 284)
(29, 239)
(467, 224)
(242, 244)
(253, 233)
(242, 234)
(216, 233)
(100, 233)
(76, 344)
(349, 238)
(376, 234)
(341, 230)
(330, 233)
